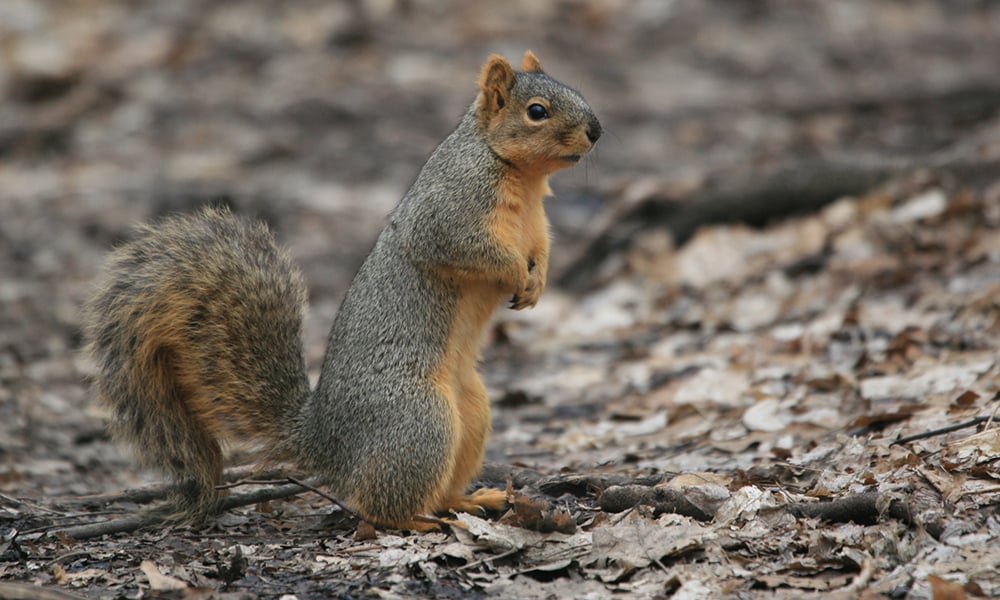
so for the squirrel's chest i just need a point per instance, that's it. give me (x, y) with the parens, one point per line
(519, 220)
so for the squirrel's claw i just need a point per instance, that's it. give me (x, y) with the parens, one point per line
(517, 302)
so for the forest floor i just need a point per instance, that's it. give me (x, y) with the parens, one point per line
(767, 362)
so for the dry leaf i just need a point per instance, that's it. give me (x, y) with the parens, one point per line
(159, 581)
(966, 399)
(928, 204)
(59, 574)
(536, 515)
(763, 416)
(637, 542)
(744, 504)
(942, 589)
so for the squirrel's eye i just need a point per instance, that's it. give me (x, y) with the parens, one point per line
(537, 112)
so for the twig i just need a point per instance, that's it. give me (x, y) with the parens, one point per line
(359, 549)
(68, 555)
(866, 508)
(124, 524)
(941, 431)
(584, 485)
(143, 495)
(262, 495)
(663, 500)
(488, 559)
(150, 519)
(159, 491)
(10, 501)
(242, 482)
(621, 517)
(24, 591)
(324, 495)
(18, 503)
(862, 509)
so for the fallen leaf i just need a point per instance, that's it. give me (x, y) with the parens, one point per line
(637, 542)
(744, 504)
(78, 578)
(966, 399)
(926, 377)
(536, 515)
(497, 537)
(59, 574)
(923, 206)
(713, 386)
(822, 582)
(690, 479)
(763, 416)
(942, 589)
(159, 581)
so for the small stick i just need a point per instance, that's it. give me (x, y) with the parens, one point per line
(488, 559)
(26, 591)
(131, 523)
(242, 482)
(861, 508)
(941, 431)
(124, 524)
(324, 495)
(159, 491)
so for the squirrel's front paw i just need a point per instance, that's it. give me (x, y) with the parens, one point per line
(532, 291)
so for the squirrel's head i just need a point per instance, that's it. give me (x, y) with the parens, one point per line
(530, 120)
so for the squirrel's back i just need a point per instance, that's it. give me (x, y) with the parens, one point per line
(196, 332)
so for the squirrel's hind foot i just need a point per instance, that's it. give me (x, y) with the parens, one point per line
(424, 524)
(474, 503)
(481, 499)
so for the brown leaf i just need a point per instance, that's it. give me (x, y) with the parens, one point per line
(819, 492)
(536, 515)
(59, 574)
(901, 414)
(822, 582)
(942, 589)
(907, 346)
(638, 542)
(159, 581)
(966, 399)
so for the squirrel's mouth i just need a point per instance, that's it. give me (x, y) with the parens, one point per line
(571, 158)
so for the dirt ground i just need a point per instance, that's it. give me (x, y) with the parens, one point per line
(767, 362)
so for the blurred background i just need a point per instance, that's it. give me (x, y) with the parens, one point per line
(316, 115)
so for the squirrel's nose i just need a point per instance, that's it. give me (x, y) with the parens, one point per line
(593, 130)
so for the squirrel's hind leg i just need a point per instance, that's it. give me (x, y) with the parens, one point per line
(474, 406)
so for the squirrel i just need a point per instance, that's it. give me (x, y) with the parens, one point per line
(196, 330)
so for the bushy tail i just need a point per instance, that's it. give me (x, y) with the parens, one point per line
(196, 333)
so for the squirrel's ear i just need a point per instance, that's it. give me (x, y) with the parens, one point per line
(494, 83)
(530, 63)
